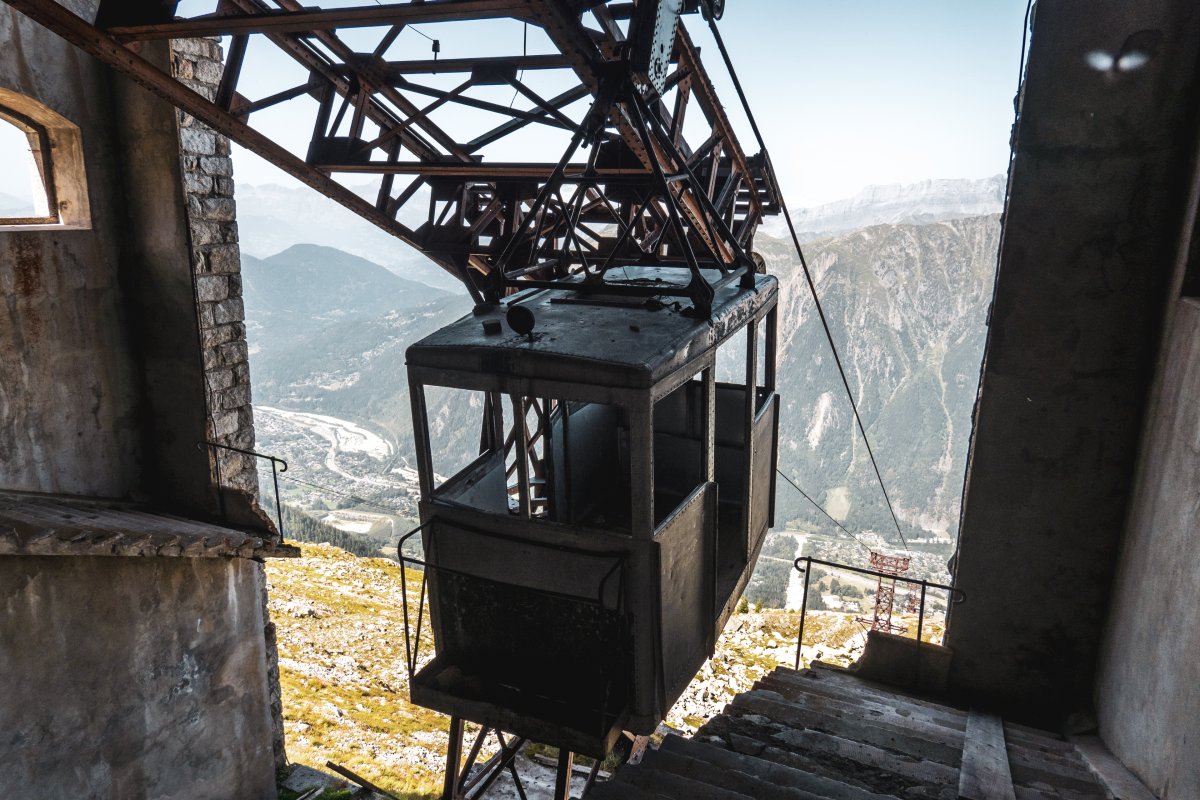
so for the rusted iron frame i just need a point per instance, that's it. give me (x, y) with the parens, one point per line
(524, 118)
(392, 69)
(319, 67)
(233, 70)
(307, 20)
(540, 102)
(374, 83)
(459, 781)
(586, 51)
(103, 47)
(706, 95)
(245, 108)
(539, 203)
(544, 117)
(955, 594)
(534, 435)
(568, 222)
(699, 289)
(712, 214)
(626, 234)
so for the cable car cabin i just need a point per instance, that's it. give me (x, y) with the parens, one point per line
(582, 564)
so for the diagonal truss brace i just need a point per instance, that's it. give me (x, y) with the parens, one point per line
(644, 194)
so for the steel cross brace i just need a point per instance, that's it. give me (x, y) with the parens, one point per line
(650, 197)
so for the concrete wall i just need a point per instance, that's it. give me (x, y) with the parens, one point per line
(69, 381)
(1148, 694)
(123, 346)
(153, 688)
(1096, 203)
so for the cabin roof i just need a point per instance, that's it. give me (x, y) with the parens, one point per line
(618, 346)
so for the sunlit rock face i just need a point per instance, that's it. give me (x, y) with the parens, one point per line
(907, 306)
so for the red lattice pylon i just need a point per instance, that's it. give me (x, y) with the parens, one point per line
(885, 591)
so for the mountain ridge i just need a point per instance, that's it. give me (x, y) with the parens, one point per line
(923, 202)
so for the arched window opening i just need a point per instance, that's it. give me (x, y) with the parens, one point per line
(43, 183)
(27, 188)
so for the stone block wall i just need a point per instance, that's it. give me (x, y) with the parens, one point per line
(216, 265)
(216, 268)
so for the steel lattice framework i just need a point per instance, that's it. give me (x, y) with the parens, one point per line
(629, 187)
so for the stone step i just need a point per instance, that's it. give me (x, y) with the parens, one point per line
(852, 763)
(775, 773)
(621, 790)
(837, 676)
(840, 684)
(843, 684)
(865, 710)
(734, 779)
(677, 787)
(872, 732)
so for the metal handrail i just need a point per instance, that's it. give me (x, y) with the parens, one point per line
(956, 595)
(274, 474)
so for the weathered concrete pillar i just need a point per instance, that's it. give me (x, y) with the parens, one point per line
(216, 267)
(1096, 203)
(216, 264)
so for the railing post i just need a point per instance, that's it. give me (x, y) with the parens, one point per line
(921, 612)
(803, 603)
(920, 627)
(274, 476)
(278, 505)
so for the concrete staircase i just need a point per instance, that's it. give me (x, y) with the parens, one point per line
(823, 734)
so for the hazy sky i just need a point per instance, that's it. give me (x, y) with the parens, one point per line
(847, 93)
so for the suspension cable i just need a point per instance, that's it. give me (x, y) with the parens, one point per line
(352, 497)
(812, 286)
(821, 508)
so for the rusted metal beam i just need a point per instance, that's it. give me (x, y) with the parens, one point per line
(303, 53)
(439, 66)
(474, 171)
(103, 47)
(668, 199)
(372, 81)
(286, 21)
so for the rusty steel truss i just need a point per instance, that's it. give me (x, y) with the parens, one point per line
(625, 186)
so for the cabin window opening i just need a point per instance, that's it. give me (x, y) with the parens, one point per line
(587, 469)
(680, 420)
(568, 463)
(765, 373)
(27, 190)
(456, 442)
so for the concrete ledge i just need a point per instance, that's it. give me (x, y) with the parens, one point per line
(41, 525)
(900, 661)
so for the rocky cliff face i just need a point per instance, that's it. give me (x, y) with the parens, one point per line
(907, 306)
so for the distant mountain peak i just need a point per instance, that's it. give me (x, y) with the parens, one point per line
(931, 200)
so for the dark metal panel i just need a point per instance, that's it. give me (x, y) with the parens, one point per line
(533, 565)
(762, 468)
(619, 346)
(685, 590)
